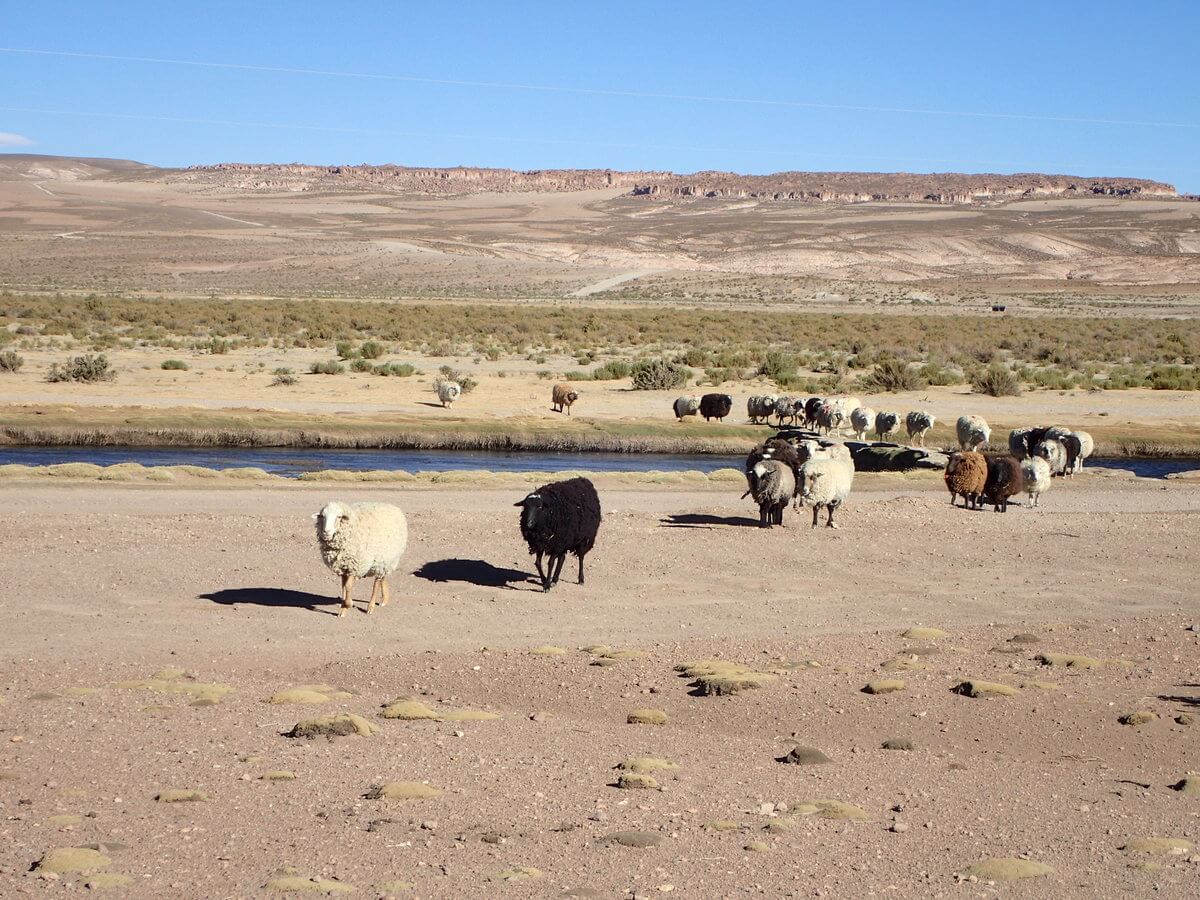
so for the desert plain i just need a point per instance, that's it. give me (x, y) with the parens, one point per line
(925, 702)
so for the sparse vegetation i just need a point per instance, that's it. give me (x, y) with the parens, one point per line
(892, 375)
(361, 365)
(371, 350)
(465, 381)
(328, 367)
(997, 380)
(175, 364)
(86, 369)
(612, 370)
(11, 361)
(397, 370)
(659, 374)
(283, 376)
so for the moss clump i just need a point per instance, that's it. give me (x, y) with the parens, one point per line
(647, 765)
(179, 684)
(830, 809)
(778, 826)
(181, 796)
(883, 686)
(1189, 785)
(403, 790)
(332, 726)
(395, 887)
(722, 825)
(1069, 660)
(977, 688)
(1158, 845)
(1009, 869)
(298, 695)
(548, 650)
(922, 633)
(408, 710)
(73, 859)
(1138, 717)
(1041, 685)
(633, 781)
(647, 717)
(298, 884)
(619, 655)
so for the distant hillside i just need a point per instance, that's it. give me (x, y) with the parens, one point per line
(68, 168)
(811, 187)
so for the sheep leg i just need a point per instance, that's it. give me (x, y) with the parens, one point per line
(541, 575)
(374, 592)
(581, 555)
(383, 589)
(816, 512)
(829, 520)
(347, 589)
(558, 564)
(763, 513)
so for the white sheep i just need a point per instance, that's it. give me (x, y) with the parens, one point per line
(861, 420)
(973, 433)
(825, 480)
(918, 424)
(686, 406)
(448, 391)
(1087, 447)
(358, 540)
(1054, 453)
(1035, 472)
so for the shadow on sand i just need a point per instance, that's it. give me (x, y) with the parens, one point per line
(472, 571)
(276, 597)
(703, 520)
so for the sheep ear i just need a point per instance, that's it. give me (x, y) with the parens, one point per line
(316, 516)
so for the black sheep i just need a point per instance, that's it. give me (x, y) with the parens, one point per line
(1004, 480)
(560, 518)
(715, 406)
(811, 406)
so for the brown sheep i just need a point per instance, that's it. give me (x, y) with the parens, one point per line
(562, 397)
(1004, 480)
(966, 474)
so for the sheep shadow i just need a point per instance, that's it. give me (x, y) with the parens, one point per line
(430, 403)
(1182, 699)
(273, 597)
(472, 571)
(704, 520)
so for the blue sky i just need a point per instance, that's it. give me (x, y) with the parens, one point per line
(664, 72)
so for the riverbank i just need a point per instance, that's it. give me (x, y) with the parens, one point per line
(132, 426)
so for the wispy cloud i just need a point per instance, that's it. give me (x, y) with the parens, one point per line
(8, 139)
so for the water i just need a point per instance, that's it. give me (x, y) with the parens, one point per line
(291, 462)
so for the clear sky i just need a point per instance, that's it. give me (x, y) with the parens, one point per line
(747, 87)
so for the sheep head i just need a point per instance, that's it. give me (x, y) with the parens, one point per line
(332, 518)
(572, 396)
(532, 507)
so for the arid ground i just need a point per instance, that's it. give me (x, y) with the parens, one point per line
(148, 625)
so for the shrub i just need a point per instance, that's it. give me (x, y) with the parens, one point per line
(178, 364)
(372, 350)
(612, 370)
(10, 361)
(659, 374)
(284, 376)
(361, 365)
(345, 350)
(996, 381)
(329, 367)
(82, 368)
(777, 365)
(717, 377)
(892, 375)
(400, 370)
(465, 381)
(938, 375)
(217, 347)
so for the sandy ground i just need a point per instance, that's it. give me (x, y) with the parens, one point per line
(107, 585)
(510, 388)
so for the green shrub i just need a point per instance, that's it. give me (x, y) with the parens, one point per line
(329, 367)
(345, 350)
(372, 350)
(996, 381)
(10, 361)
(217, 347)
(361, 365)
(717, 377)
(577, 375)
(465, 381)
(659, 374)
(892, 375)
(776, 365)
(284, 376)
(399, 370)
(82, 368)
(1173, 378)
(938, 375)
(177, 364)
(612, 370)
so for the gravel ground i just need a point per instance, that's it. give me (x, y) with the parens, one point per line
(132, 610)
